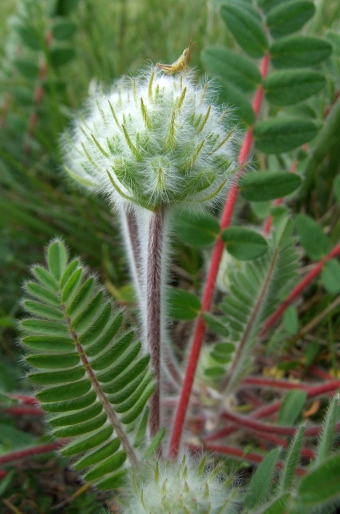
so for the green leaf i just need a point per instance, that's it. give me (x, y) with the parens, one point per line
(233, 68)
(89, 314)
(64, 7)
(277, 506)
(245, 28)
(320, 485)
(230, 95)
(197, 229)
(336, 188)
(98, 454)
(23, 95)
(214, 372)
(292, 86)
(57, 259)
(224, 348)
(61, 360)
(81, 428)
(182, 304)
(291, 407)
(57, 377)
(259, 486)
(334, 38)
(290, 320)
(289, 17)
(42, 344)
(215, 324)
(277, 135)
(156, 441)
(30, 37)
(46, 328)
(79, 417)
(291, 461)
(82, 297)
(244, 244)
(45, 311)
(113, 481)
(42, 293)
(46, 279)
(324, 447)
(299, 51)
(61, 55)
(63, 29)
(64, 392)
(261, 187)
(267, 5)
(71, 405)
(90, 374)
(330, 276)
(88, 442)
(29, 69)
(313, 239)
(72, 285)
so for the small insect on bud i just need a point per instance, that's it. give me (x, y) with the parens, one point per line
(180, 64)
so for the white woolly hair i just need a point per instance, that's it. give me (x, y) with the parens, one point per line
(153, 140)
(168, 485)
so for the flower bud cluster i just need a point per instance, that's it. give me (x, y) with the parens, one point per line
(178, 488)
(154, 141)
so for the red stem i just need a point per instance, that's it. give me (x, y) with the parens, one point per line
(25, 399)
(299, 289)
(211, 279)
(257, 426)
(240, 454)
(22, 411)
(267, 410)
(30, 452)
(279, 441)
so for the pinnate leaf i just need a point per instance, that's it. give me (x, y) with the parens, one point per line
(90, 374)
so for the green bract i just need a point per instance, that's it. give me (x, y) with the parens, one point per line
(154, 141)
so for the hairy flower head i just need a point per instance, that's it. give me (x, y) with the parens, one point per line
(154, 141)
(178, 488)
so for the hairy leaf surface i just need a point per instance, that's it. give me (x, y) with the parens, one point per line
(92, 377)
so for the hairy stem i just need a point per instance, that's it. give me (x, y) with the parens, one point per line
(30, 452)
(132, 243)
(154, 282)
(211, 280)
